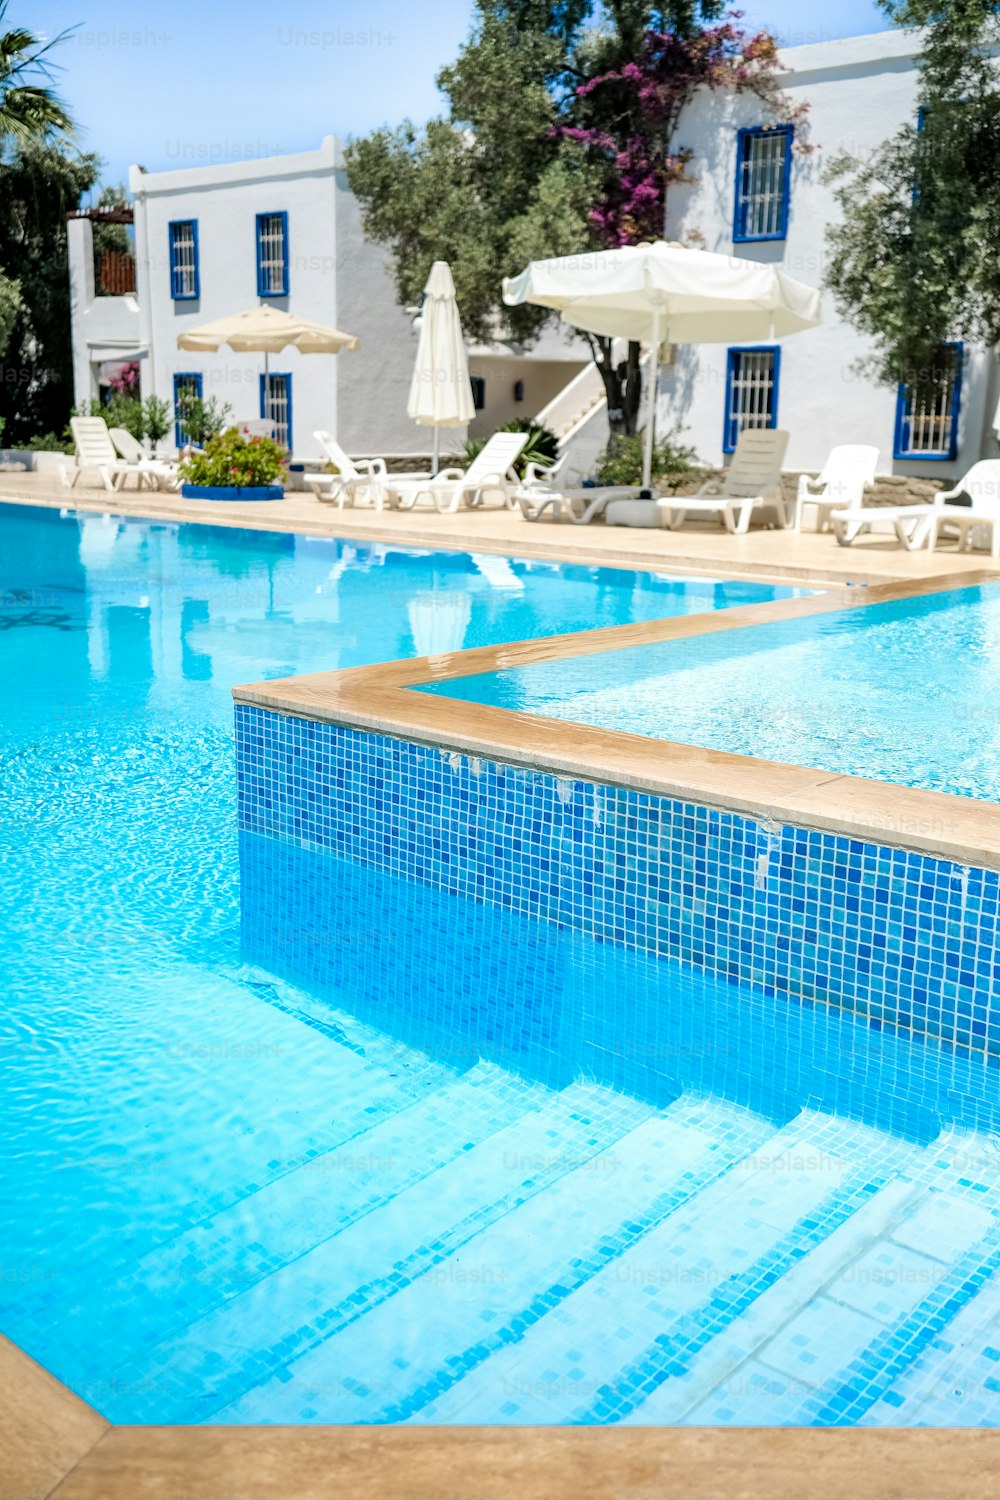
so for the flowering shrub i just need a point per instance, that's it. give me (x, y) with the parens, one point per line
(628, 116)
(230, 459)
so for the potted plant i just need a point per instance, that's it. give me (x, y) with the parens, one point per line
(234, 467)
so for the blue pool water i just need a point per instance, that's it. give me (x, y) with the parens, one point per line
(907, 692)
(288, 1140)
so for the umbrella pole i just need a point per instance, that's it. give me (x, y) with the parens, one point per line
(654, 356)
(436, 461)
(266, 403)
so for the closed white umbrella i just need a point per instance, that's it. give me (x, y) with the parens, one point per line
(664, 291)
(440, 391)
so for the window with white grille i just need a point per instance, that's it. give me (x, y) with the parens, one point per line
(272, 255)
(751, 392)
(276, 406)
(187, 384)
(763, 182)
(184, 260)
(928, 407)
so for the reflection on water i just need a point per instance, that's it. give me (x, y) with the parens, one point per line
(460, 981)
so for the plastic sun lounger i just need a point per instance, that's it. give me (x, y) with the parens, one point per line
(156, 473)
(581, 506)
(849, 470)
(490, 473)
(356, 479)
(982, 486)
(911, 523)
(97, 453)
(751, 483)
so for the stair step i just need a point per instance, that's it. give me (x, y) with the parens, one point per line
(160, 1184)
(596, 1357)
(402, 1356)
(213, 1361)
(815, 1355)
(226, 1254)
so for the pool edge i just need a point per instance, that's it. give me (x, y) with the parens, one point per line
(101, 1461)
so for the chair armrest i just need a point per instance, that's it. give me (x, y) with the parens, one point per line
(534, 472)
(943, 496)
(446, 474)
(808, 485)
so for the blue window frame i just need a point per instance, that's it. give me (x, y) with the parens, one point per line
(276, 406)
(185, 277)
(752, 380)
(763, 182)
(187, 383)
(272, 255)
(928, 409)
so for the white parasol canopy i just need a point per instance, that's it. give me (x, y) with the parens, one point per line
(664, 291)
(440, 391)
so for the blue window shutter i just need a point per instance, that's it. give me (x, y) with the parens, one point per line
(750, 140)
(267, 279)
(185, 381)
(904, 439)
(182, 236)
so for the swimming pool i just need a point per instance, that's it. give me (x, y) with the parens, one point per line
(290, 1140)
(906, 692)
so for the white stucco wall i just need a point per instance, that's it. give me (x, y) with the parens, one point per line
(225, 202)
(860, 92)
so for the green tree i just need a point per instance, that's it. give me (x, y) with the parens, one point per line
(491, 186)
(550, 136)
(914, 261)
(39, 186)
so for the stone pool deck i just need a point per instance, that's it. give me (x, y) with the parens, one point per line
(55, 1447)
(807, 557)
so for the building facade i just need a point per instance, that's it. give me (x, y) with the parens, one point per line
(211, 241)
(757, 198)
(285, 230)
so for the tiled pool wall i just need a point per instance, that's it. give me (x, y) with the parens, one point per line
(904, 939)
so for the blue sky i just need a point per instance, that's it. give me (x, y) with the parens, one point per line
(202, 82)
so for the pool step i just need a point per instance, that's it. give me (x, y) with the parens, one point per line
(182, 1169)
(227, 1253)
(831, 1341)
(216, 1358)
(599, 1354)
(467, 1306)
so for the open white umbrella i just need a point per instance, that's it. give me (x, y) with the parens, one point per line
(267, 330)
(440, 391)
(664, 291)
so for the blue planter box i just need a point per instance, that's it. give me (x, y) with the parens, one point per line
(232, 492)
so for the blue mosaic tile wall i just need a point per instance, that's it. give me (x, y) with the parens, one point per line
(904, 939)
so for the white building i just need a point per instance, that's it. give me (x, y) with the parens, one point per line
(755, 198)
(210, 241)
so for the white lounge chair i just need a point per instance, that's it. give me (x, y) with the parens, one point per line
(911, 523)
(581, 506)
(96, 453)
(849, 470)
(156, 473)
(355, 479)
(491, 472)
(982, 485)
(751, 483)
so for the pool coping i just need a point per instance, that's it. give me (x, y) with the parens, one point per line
(379, 699)
(53, 1446)
(566, 544)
